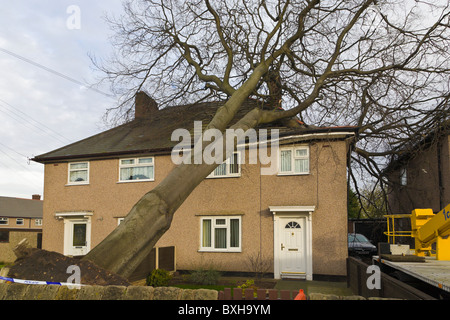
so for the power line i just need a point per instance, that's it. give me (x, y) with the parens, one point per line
(59, 74)
(26, 177)
(28, 124)
(27, 116)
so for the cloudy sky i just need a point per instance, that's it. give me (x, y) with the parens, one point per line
(45, 48)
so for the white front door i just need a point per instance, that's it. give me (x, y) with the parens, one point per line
(292, 247)
(77, 234)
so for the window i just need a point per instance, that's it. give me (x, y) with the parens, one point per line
(119, 220)
(4, 236)
(294, 160)
(292, 225)
(136, 169)
(19, 221)
(403, 177)
(221, 234)
(38, 222)
(4, 221)
(79, 173)
(229, 168)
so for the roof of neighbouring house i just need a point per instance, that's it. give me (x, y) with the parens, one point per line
(415, 146)
(152, 134)
(20, 208)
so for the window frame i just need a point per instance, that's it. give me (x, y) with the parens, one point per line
(38, 222)
(293, 150)
(227, 226)
(228, 164)
(136, 164)
(69, 170)
(403, 177)
(20, 221)
(5, 220)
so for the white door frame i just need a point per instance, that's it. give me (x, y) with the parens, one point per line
(281, 214)
(71, 218)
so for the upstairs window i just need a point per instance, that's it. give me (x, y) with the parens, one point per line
(229, 168)
(79, 173)
(294, 161)
(19, 222)
(403, 177)
(137, 169)
(4, 221)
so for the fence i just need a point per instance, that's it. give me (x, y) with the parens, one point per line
(159, 258)
(261, 294)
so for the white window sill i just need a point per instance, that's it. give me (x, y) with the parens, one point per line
(220, 177)
(133, 181)
(292, 174)
(77, 184)
(220, 250)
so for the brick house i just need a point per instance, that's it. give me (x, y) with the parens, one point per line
(295, 218)
(19, 219)
(421, 178)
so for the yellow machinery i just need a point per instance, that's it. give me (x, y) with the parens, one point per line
(426, 228)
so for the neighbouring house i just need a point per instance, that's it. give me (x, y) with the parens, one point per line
(294, 219)
(19, 219)
(421, 178)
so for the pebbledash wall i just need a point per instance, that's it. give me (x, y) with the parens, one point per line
(249, 196)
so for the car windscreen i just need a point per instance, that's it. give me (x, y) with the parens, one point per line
(357, 237)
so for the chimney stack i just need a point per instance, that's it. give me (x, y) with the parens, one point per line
(36, 197)
(145, 106)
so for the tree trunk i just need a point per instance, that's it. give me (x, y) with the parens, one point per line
(125, 248)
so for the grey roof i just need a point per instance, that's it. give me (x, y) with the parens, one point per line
(145, 135)
(20, 208)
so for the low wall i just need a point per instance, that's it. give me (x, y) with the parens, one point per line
(18, 291)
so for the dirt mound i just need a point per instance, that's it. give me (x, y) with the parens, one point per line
(43, 265)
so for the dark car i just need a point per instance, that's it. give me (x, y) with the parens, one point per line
(358, 244)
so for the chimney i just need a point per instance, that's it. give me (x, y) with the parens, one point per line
(36, 197)
(145, 106)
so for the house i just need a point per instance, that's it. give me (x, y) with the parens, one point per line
(19, 219)
(421, 178)
(295, 218)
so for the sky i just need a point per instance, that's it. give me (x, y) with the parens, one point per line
(48, 92)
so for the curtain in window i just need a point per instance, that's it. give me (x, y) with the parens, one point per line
(78, 172)
(234, 233)
(206, 241)
(301, 165)
(220, 238)
(234, 163)
(136, 173)
(221, 170)
(285, 164)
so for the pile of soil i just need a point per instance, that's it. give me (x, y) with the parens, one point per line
(43, 265)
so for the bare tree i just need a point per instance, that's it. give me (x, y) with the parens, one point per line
(379, 65)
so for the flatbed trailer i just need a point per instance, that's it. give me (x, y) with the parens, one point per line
(431, 276)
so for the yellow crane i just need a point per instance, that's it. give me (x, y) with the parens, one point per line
(428, 228)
